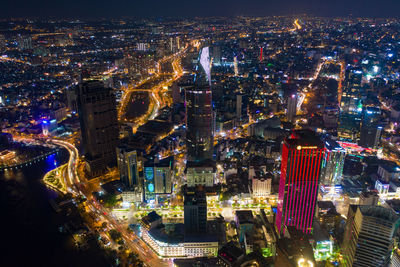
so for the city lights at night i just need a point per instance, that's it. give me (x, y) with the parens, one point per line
(214, 133)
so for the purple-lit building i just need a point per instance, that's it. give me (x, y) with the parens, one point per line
(302, 156)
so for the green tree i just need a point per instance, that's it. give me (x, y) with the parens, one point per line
(110, 200)
(114, 234)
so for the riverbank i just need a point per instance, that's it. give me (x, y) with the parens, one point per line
(54, 179)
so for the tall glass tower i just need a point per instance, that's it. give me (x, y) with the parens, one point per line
(199, 134)
(99, 125)
(370, 128)
(351, 106)
(302, 156)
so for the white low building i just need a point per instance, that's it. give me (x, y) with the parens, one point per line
(261, 182)
(181, 249)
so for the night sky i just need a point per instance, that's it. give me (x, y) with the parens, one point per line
(190, 8)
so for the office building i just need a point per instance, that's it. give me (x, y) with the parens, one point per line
(162, 176)
(351, 105)
(291, 108)
(302, 156)
(195, 210)
(157, 177)
(25, 42)
(199, 134)
(330, 117)
(332, 165)
(242, 102)
(389, 171)
(369, 236)
(370, 129)
(99, 125)
(216, 55)
(128, 166)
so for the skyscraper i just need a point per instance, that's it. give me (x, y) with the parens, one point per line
(216, 55)
(195, 210)
(242, 102)
(128, 166)
(351, 105)
(369, 236)
(99, 125)
(332, 165)
(370, 129)
(291, 107)
(302, 156)
(199, 135)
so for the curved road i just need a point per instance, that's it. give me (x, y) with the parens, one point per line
(77, 188)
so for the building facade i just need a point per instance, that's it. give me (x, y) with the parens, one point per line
(128, 167)
(291, 107)
(195, 211)
(181, 249)
(199, 112)
(158, 178)
(260, 182)
(351, 105)
(369, 236)
(332, 165)
(99, 125)
(200, 174)
(302, 156)
(370, 133)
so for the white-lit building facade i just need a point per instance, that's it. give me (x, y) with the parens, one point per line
(181, 249)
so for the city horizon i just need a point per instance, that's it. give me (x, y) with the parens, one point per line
(208, 8)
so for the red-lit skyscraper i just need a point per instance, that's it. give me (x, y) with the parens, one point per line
(302, 155)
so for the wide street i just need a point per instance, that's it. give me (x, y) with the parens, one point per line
(77, 186)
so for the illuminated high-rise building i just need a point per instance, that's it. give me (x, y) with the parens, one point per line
(291, 107)
(332, 165)
(24, 42)
(302, 156)
(99, 125)
(370, 128)
(369, 236)
(199, 110)
(128, 166)
(242, 103)
(216, 54)
(351, 105)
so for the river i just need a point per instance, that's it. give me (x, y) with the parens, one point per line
(31, 235)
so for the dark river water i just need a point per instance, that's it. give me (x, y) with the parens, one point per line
(30, 227)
